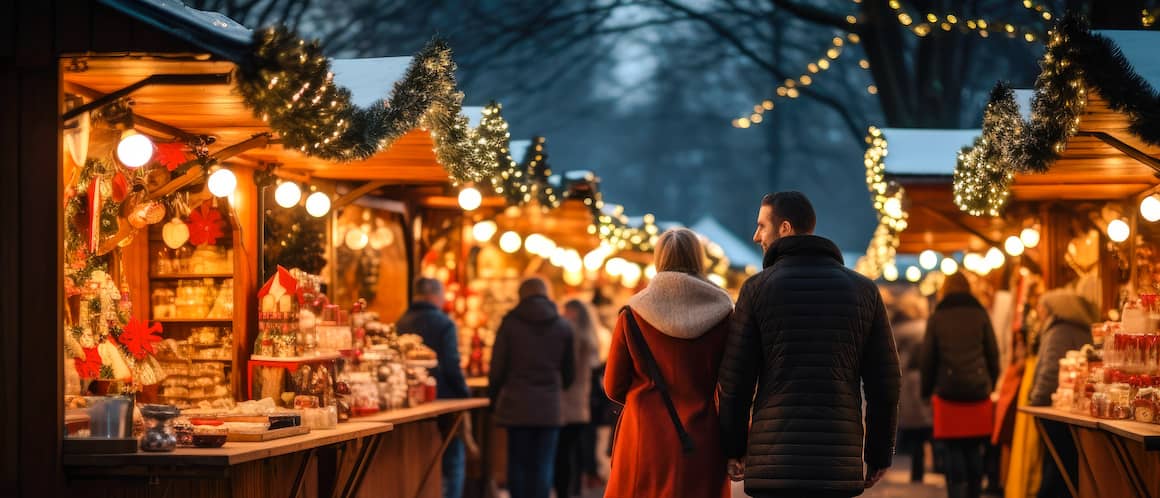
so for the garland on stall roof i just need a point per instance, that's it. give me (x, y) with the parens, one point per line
(288, 83)
(509, 180)
(539, 174)
(1076, 60)
(613, 228)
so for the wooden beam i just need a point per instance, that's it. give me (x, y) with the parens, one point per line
(448, 202)
(357, 192)
(1128, 150)
(959, 224)
(155, 79)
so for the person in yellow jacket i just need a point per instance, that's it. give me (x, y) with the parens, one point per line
(1026, 466)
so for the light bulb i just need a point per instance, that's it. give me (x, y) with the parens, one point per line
(222, 182)
(1118, 230)
(484, 230)
(973, 262)
(890, 272)
(1013, 245)
(1150, 208)
(928, 259)
(615, 267)
(572, 261)
(556, 257)
(717, 280)
(288, 194)
(509, 242)
(356, 239)
(135, 149)
(948, 266)
(594, 259)
(1029, 236)
(470, 198)
(318, 204)
(893, 207)
(994, 258)
(913, 274)
(573, 278)
(650, 271)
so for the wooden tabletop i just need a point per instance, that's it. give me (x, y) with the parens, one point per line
(477, 382)
(234, 453)
(426, 411)
(1057, 415)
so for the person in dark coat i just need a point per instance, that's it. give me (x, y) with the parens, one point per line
(1067, 319)
(960, 365)
(811, 336)
(531, 366)
(425, 317)
(914, 417)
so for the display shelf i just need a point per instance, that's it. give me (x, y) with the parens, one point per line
(194, 320)
(178, 276)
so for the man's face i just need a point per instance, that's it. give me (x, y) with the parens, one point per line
(767, 232)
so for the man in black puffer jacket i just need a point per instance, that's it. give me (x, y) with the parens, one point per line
(809, 335)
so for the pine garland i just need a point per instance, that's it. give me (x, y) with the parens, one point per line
(1076, 60)
(288, 83)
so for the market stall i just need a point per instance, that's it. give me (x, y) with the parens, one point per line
(222, 187)
(1079, 166)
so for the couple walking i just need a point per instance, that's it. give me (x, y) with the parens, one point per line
(770, 392)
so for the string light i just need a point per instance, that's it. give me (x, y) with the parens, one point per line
(288, 194)
(951, 21)
(887, 199)
(222, 182)
(788, 89)
(484, 230)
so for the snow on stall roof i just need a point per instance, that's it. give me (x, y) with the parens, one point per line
(1140, 49)
(739, 252)
(215, 22)
(913, 151)
(519, 148)
(371, 79)
(474, 115)
(1023, 98)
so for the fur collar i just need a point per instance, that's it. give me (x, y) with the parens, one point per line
(681, 305)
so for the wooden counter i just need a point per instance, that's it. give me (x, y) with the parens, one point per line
(232, 453)
(425, 411)
(1147, 434)
(1049, 413)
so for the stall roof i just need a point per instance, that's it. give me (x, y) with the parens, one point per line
(741, 254)
(924, 152)
(215, 32)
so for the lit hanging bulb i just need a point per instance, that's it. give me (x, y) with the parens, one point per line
(509, 242)
(222, 182)
(973, 262)
(928, 259)
(135, 149)
(356, 239)
(318, 204)
(1013, 245)
(994, 258)
(650, 271)
(470, 199)
(948, 266)
(1150, 208)
(484, 230)
(1029, 236)
(288, 194)
(615, 267)
(890, 272)
(1118, 230)
(913, 274)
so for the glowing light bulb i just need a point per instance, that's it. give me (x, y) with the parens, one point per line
(356, 239)
(615, 267)
(913, 274)
(973, 262)
(928, 259)
(948, 266)
(630, 276)
(1029, 236)
(484, 230)
(1150, 208)
(470, 199)
(222, 182)
(318, 204)
(1013, 245)
(890, 272)
(509, 242)
(994, 258)
(572, 261)
(893, 207)
(1118, 230)
(135, 149)
(288, 194)
(650, 271)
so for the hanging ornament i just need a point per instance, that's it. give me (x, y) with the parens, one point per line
(76, 138)
(156, 178)
(175, 233)
(120, 187)
(171, 155)
(95, 202)
(205, 225)
(146, 213)
(138, 337)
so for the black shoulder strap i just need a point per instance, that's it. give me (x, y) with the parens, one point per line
(654, 372)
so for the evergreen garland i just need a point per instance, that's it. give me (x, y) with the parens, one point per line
(494, 134)
(539, 174)
(1076, 60)
(288, 84)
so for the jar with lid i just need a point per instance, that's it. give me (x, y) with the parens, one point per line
(1144, 405)
(1120, 401)
(159, 433)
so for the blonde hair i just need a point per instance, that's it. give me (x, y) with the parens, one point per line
(679, 249)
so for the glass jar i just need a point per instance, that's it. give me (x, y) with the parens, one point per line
(1099, 405)
(159, 433)
(1120, 401)
(1144, 406)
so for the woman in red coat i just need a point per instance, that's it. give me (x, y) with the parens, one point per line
(684, 321)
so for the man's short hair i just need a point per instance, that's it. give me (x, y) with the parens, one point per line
(794, 207)
(428, 287)
(533, 286)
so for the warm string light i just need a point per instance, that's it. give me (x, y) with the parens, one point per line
(923, 26)
(888, 200)
(789, 89)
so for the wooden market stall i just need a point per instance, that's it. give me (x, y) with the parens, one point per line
(221, 135)
(1081, 163)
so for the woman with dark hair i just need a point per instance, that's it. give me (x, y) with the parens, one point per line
(960, 365)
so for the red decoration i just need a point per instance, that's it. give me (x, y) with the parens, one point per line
(120, 187)
(90, 366)
(94, 224)
(171, 155)
(138, 337)
(205, 225)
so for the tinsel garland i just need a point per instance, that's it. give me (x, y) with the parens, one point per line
(509, 180)
(539, 173)
(288, 83)
(1076, 60)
